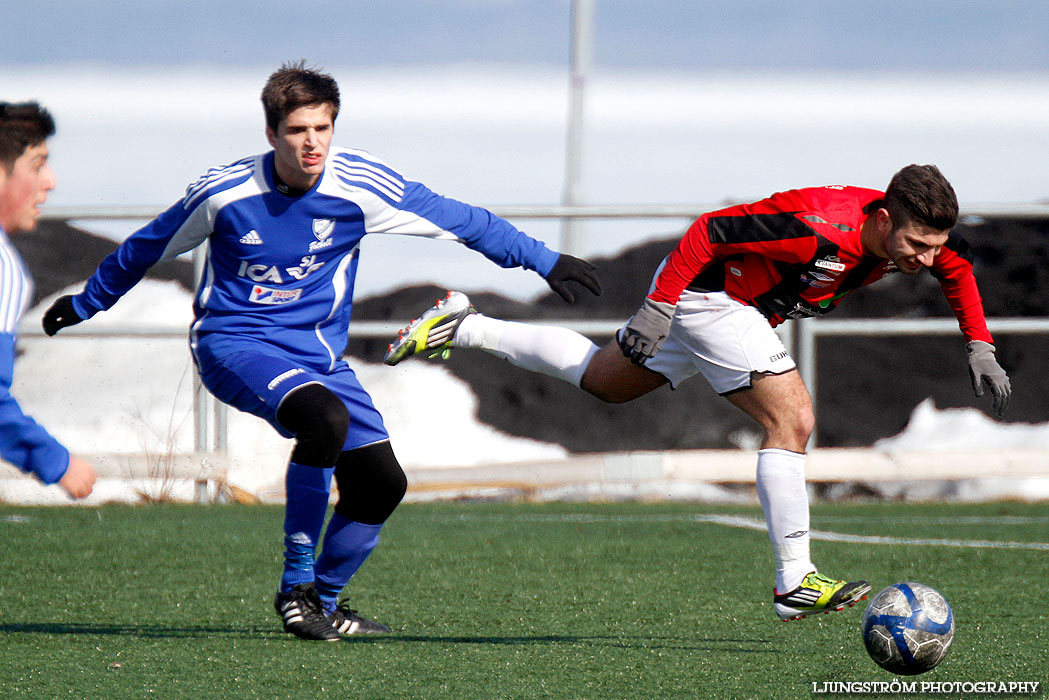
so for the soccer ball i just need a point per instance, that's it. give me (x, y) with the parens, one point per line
(908, 628)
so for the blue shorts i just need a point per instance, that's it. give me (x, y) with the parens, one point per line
(255, 378)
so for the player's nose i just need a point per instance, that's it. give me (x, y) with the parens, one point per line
(927, 257)
(48, 182)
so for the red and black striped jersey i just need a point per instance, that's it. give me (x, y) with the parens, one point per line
(797, 253)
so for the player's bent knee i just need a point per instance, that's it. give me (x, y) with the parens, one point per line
(319, 420)
(807, 424)
(803, 423)
(792, 433)
(371, 483)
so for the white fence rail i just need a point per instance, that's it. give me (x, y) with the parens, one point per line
(801, 336)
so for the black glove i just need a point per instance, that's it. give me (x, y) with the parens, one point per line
(984, 369)
(572, 269)
(646, 330)
(60, 315)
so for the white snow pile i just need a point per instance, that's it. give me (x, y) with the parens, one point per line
(951, 429)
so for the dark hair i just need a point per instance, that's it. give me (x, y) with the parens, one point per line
(920, 193)
(293, 86)
(22, 124)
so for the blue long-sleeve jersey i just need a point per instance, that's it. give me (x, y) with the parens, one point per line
(23, 442)
(280, 268)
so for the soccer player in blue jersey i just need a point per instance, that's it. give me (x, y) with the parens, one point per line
(271, 315)
(25, 180)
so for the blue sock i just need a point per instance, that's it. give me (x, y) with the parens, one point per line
(307, 490)
(346, 545)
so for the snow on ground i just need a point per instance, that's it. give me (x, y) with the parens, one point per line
(934, 430)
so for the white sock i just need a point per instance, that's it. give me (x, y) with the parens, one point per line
(557, 352)
(785, 500)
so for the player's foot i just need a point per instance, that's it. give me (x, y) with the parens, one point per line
(433, 330)
(818, 594)
(346, 621)
(303, 614)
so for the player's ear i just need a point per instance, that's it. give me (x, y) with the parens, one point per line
(271, 137)
(883, 220)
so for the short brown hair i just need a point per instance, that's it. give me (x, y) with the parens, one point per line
(22, 124)
(293, 86)
(920, 193)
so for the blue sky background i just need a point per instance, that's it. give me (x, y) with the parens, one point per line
(756, 35)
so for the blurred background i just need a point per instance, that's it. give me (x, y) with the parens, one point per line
(686, 103)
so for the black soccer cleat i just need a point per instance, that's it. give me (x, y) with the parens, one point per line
(346, 621)
(303, 614)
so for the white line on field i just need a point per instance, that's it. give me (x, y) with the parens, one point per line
(736, 521)
(753, 524)
(941, 520)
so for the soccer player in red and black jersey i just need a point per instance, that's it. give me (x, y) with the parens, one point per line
(735, 275)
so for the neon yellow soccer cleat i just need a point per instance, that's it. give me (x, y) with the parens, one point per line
(818, 594)
(433, 330)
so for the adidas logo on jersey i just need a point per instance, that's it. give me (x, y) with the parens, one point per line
(252, 237)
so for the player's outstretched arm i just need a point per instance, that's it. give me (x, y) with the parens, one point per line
(571, 269)
(984, 369)
(60, 315)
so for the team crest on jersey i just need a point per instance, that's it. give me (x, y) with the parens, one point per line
(322, 230)
(273, 297)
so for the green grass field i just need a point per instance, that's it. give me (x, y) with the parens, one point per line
(497, 600)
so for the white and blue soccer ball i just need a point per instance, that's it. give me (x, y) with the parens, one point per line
(908, 628)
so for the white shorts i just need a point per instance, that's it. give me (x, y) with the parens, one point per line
(727, 341)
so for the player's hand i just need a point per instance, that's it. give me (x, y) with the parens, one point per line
(984, 369)
(572, 269)
(645, 332)
(79, 479)
(60, 315)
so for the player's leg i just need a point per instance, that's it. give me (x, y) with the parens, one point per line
(743, 359)
(612, 377)
(319, 420)
(371, 485)
(258, 380)
(551, 350)
(781, 405)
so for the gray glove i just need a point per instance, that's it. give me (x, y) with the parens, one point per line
(646, 330)
(984, 369)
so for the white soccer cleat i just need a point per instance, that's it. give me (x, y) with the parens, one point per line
(433, 330)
